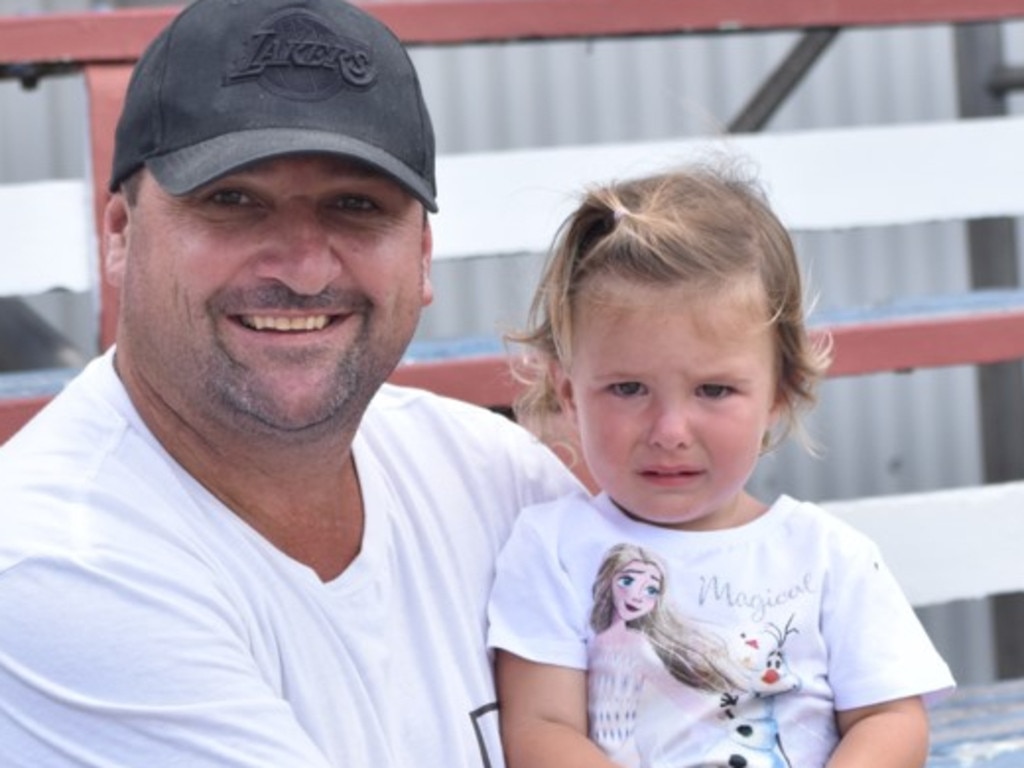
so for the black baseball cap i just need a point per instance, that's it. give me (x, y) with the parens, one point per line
(232, 82)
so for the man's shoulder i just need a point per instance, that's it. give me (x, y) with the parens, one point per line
(408, 428)
(70, 437)
(399, 397)
(418, 411)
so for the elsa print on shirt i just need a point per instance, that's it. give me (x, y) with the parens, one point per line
(640, 641)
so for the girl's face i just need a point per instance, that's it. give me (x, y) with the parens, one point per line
(672, 391)
(636, 589)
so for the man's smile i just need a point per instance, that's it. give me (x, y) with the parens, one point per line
(285, 324)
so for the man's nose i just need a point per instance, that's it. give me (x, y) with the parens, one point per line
(303, 255)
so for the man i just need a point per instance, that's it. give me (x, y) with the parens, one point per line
(228, 542)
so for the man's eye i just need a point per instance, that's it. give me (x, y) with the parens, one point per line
(627, 389)
(355, 203)
(714, 391)
(230, 197)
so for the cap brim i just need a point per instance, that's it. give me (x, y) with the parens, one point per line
(185, 170)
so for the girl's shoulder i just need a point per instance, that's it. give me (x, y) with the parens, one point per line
(809, 521)
(574, 508)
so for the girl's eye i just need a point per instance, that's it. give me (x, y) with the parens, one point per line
(652, 591)
(624, 581)
(627, 389)
(714, 391)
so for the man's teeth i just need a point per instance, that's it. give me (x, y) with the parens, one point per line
(310, 323)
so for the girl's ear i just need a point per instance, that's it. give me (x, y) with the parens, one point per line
(780, 410)
(565, 428)
(780, 407)
(564, 390)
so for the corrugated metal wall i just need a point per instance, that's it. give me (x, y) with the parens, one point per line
(880, 434)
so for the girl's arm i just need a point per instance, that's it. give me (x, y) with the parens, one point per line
(543, 712)
(889, 735)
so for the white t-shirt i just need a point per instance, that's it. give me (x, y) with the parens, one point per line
(144, 624)
(769, 628)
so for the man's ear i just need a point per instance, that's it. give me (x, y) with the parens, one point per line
(427, 255)
(116, 221)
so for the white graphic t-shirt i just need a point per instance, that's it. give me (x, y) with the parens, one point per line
(712, 648)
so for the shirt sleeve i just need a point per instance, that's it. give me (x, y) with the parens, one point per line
(878, 649)
(535, 612)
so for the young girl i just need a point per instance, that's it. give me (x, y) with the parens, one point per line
(669, 331)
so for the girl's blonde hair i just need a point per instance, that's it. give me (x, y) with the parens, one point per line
(704, 225)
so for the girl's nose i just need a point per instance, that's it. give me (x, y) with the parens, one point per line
(671, 427)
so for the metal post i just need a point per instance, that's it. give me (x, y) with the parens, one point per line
(993, 262)
(786, 76)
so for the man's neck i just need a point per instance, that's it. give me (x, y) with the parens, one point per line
(310, 508)
(300, 492)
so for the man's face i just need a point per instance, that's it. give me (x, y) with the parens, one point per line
(276, 299)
